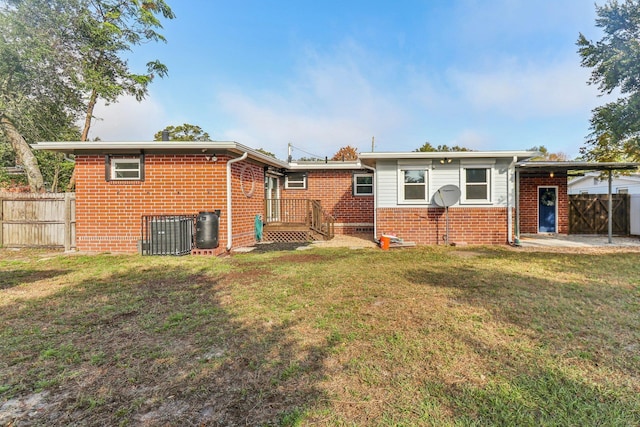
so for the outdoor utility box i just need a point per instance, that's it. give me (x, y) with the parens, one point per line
(169, 234)
(207, 230)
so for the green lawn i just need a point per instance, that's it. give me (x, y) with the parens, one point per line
(437, 336)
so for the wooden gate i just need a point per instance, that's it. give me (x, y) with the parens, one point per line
(37, 220)
(588, 214)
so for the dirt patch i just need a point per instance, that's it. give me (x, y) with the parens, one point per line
(300, 258)
(278, 246)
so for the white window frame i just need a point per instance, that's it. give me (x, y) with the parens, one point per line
(622, 190)
(405, 166)
(297, 184)
(489, 167)
(115, 161)
(357, 186)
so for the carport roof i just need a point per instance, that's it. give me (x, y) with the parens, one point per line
(566, 167)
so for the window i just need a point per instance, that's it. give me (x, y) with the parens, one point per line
(362, 184)
(295, 181)
(583, 192)
(121, 168)
(413, 185)
(476, 184)
(623, 190)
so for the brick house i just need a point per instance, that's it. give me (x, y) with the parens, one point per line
(119, 184)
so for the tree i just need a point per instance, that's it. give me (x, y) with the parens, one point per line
(615, 64)
(427, 147)
(107, 29)
(547, 156)
(184, 132)
(346, 153)
(58, 57)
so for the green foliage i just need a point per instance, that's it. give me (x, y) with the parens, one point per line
(546, 155)
(427, 147)
(184, 132)
(615, 64)
(58, 57)
(265, 152)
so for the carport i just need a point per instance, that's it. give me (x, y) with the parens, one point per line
(556, 174)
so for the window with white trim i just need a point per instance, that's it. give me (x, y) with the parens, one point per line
(476, 184)
(623, 190)
(295, 181)
(413, 185)
(124, 168)
(362, 184)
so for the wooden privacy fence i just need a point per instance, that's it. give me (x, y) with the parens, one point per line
(38, 220)
(589, 213)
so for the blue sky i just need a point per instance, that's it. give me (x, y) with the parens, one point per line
(484, 74)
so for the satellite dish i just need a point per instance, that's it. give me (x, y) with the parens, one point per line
(447, 195)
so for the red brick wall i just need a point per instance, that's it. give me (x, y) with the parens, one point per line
(247, 201)
(334, 190)
(427, 226)
(108, 214)
(528, 199)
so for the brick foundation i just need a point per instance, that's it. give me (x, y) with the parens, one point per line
(427, 226)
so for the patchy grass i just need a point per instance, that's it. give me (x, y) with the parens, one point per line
(430, 336)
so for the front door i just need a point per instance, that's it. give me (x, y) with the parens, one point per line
(272, 196)
(547, 209)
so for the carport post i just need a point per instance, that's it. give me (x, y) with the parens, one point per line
(610, 208)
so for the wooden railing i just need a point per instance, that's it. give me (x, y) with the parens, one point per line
(299, 212)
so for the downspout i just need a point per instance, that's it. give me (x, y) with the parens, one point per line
(375, 200)
(610, 213)
(517, 207)
(510, 202)
(229, 221)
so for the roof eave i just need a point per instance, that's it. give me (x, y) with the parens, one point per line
(125, 147)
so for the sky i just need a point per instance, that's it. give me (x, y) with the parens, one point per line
(482, 74)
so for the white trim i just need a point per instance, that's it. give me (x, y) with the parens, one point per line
(490, 176)
(413, 166)
(113, 171)
(356, 186)
(538, 209)
(296, 187)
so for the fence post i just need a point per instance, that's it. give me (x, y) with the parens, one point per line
(67, 222)
(1, 221)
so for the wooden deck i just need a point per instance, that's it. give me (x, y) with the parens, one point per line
(293, 220)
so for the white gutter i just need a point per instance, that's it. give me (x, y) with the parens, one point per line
(229, 223)
(510, 198)
(375, 200)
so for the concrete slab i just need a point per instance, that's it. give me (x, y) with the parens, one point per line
(576, 241)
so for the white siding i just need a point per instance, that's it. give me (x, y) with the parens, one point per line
(439, 175)
(592, 185)
(635, 214)
(387, 184)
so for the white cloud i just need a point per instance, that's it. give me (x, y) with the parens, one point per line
(128, 120)
(527, 91)
(330, 102)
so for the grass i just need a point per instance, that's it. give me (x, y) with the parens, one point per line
(430, 336)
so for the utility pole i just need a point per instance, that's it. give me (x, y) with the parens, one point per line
(373, 143)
